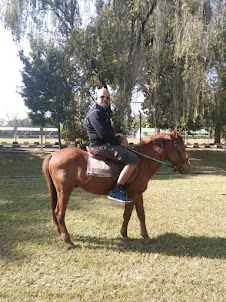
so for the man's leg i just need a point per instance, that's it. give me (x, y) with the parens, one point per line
(125, 174)
(122, 155)
(117, 193)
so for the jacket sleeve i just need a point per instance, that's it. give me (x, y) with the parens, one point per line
(102, 126)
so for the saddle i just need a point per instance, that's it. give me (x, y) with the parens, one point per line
(103, 167)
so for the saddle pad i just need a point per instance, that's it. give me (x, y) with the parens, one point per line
(98, 168)
(107, 168)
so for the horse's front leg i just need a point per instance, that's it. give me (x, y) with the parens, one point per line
(126, 217)
(141, 215)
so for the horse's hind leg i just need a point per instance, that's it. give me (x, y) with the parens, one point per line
(56, 222)
(63, 198)
(141, 215)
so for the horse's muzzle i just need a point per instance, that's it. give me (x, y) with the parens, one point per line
(183, 169)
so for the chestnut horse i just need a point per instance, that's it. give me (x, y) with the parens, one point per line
(66, 169)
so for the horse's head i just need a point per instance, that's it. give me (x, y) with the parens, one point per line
(177, 155)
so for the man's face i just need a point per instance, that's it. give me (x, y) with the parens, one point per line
(103, 98)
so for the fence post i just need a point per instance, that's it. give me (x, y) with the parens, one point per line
(41, 129)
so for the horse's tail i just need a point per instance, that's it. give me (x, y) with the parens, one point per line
(52, 189)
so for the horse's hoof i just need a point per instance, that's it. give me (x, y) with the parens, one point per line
(125, 239)
(148, 241)
(70, 246)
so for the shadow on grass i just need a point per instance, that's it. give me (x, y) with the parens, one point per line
(170, 244)
(202, 161)
(21, 164)
(26, 217)
(207, 160)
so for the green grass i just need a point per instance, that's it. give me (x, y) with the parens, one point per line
(207, 160)
(185, 216)
(21, 164)
(29, 164)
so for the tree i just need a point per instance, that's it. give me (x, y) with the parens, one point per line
(183, 42)
(109, 50)
(216, 94)
(48, 87)
(74, 127)
(2, 122)
(168, 49)
(19, 123)
(46, 18)
(50, 74)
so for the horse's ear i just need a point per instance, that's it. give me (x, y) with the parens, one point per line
(175, 132)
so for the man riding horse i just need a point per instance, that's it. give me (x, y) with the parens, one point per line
(104, 143)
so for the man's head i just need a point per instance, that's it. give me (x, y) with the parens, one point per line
(103, 98)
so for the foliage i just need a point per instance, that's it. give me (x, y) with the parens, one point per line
(74, 129)
(173, 51)
(180, 55)
(48, 87)
(53, 18)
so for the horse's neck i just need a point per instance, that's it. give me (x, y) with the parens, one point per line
(156, 152)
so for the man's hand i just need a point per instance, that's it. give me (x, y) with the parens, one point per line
(124, 142)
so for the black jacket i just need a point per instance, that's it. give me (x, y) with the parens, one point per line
(98, 126)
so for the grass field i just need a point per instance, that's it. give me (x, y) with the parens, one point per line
(185, 216)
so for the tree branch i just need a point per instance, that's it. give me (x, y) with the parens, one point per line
(154, 4)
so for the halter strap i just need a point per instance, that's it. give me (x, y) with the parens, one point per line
(178, 151)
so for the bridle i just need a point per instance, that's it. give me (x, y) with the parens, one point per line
(176, 149)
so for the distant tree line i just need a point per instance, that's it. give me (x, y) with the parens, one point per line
(173, 51)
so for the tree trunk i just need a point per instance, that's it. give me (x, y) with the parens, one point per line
(217, 136)
(59, 139)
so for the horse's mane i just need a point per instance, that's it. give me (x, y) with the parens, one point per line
(159, 140)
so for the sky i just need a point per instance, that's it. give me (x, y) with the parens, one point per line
(11, 103)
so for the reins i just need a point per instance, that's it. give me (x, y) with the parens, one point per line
(149, 157)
